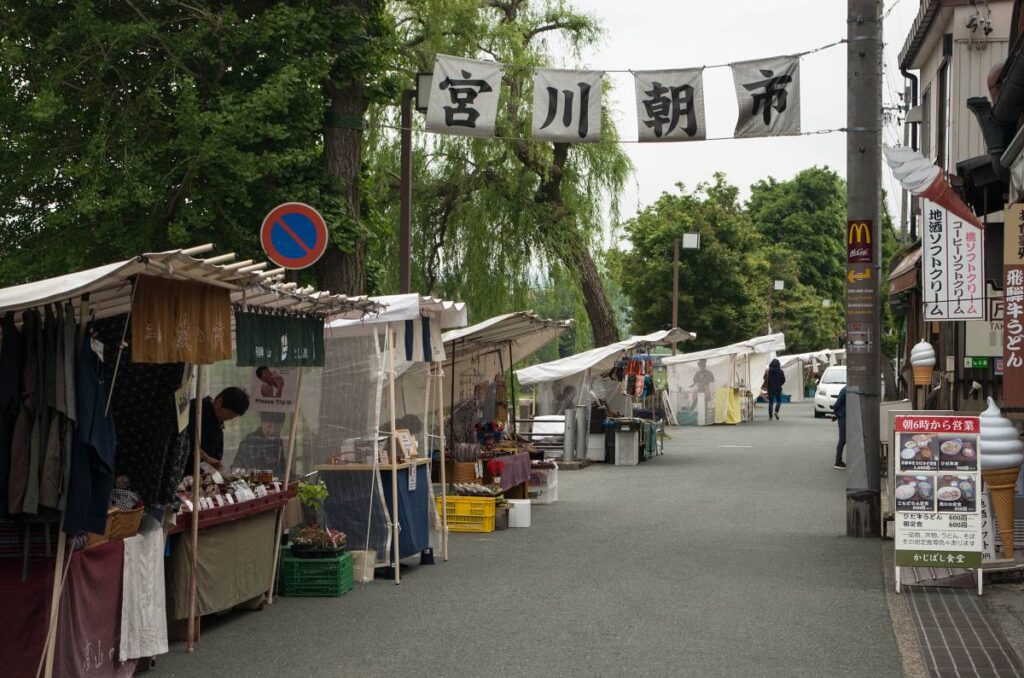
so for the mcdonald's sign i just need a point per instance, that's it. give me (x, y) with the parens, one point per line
(859, 249)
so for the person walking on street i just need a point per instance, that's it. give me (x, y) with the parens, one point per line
(774, 378)
(839, 414)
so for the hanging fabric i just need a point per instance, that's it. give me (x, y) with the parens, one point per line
(277, 340)
(180, 321)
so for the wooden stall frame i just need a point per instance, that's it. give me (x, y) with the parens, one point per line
(292, 433)
(196, 484)
(393, 437)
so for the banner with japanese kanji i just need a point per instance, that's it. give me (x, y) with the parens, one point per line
(670, 105)
(768, 96)
(952, 266)
(566, 105)
(1013, 308)
(464, 96)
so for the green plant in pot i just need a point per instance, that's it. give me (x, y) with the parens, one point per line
(312, 540)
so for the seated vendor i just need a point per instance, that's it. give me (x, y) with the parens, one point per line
(263, 448)
(230, 403)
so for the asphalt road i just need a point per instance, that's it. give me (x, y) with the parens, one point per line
(727, 556)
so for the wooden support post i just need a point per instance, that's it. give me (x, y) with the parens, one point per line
(444, 485)
(197, 441)
(395, 526)
(292, 433)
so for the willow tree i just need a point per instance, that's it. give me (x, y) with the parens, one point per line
(495, 215)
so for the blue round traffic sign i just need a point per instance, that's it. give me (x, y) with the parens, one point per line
(294, 235)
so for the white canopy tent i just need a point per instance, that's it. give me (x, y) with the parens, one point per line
(800, 367)
(575, 381)
(364, 358)
(739, 365)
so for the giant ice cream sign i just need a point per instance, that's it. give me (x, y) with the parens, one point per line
(1003, 454)
(952, 240)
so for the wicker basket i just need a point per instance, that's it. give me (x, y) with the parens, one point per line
(120, 525)
(464, 472)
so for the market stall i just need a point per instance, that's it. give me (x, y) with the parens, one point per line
(373, 449)
(717, 386)
(803, 369)
(601, 391)
(102, 367)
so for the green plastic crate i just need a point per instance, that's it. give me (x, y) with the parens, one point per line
(317, 577)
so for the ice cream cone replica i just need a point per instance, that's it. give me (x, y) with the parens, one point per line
(1001, 456)
(922, 359)
(925, 179)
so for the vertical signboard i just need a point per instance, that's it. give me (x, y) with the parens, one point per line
(937, 491)
(952, 266)
(861, 316)
(1013, 307)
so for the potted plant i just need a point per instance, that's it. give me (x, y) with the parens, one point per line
(312, 540)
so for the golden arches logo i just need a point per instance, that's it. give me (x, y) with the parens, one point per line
(860, 232)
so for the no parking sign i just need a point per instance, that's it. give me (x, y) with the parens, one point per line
(294, 235)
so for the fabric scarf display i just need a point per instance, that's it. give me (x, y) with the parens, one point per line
(420, 341)
(278, 340)
(178, 321)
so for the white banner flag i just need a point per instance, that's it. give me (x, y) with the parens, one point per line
(670, 105)
(768, 94)
(567, 105)
(464, 96)
(952, 265)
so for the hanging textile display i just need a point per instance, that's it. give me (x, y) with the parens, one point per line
(464, 96)
(768, 95)
(278, 340)
(670, 105)
(567, 105)
(180, 321)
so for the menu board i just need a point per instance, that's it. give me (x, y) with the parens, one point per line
(937, 486)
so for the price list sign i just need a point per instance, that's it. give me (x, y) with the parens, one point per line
(937, 487)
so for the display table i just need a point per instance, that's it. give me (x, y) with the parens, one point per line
(236, 556)
(350, 505)
(515, 476)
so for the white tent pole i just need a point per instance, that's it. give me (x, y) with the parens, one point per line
(196, 484)
(287, 474)
(444, 485)
(394, 454)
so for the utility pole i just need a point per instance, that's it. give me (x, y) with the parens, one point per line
(675, 290)
(863, 310)
(405, 193)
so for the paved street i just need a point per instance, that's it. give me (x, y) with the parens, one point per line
(724, 557)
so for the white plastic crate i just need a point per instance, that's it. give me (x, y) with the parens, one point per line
(543, 477)
(544, 495)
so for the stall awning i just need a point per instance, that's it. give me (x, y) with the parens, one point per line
(521, 333)
(601, 358)
(828, 355)
(110, 290)
(402, 307)
(770, 343)
(904, 275)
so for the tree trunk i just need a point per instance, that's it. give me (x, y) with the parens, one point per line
(341, 271)
(595, 298)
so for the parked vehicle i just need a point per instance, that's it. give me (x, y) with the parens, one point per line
(831, 383)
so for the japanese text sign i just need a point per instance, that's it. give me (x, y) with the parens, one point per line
(464, 96)
(567, 105)
(768, 95)
(952, 266)
(1013, 307)
(670, 105)
(937, 491)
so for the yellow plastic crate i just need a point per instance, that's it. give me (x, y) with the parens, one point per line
(469, 514)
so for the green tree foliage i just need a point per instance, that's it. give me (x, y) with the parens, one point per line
(491, 214)
(136, 126)
(721, 296)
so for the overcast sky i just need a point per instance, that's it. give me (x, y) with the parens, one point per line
(656, 34)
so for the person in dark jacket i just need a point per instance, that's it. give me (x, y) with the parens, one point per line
(839, 414)
(774, 378)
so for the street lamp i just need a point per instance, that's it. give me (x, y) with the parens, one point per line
(689, 241)
(778, 286)
(420, 97)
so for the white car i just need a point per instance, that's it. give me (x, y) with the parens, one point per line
(831, 383)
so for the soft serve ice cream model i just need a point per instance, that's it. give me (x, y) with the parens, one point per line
(922, 359)
(1001, 456)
